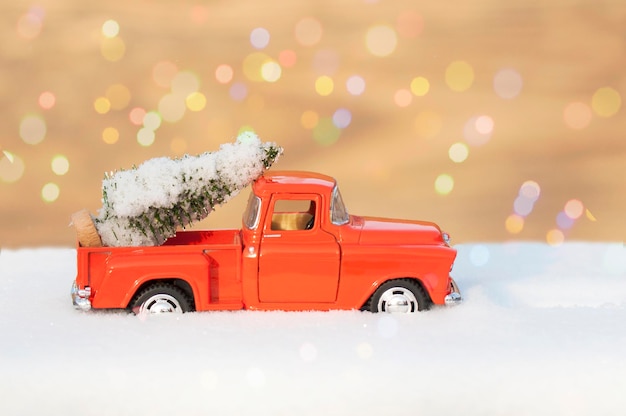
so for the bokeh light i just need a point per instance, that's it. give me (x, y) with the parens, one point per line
(444, 184)
(527, 196)
(325, 132)
(403, 98)
(308, 31)
(50, 192)
(136, 116)
(458, 152)
(60, 165)
(110, 135)
(478, 130)
(606, 102)
(238, 91)
(146, 137)
(110, 29)
(420, 86)
(342, 118)
(459, 76)
(118, 95)
(172, 107)
(381, 40)
(287, 58)
(47, 100)
(196, 101)
(30, 24)
(152, 120)
(33, 129)
(409, 24)
(271, 71)
(184, 83)
(563, 221)
(199, 14)
(224, 74)
(163, 73)
(523, 205)
(530, 190)
(555, 237)
(102, 105)
(11, 167)
(325, 62)
(514, 224)
(324, 85)
(577, 115)
(112, 49)
(574, 209)
(355, 85)
(507, 83)
(253, 64)
(309, 119)
(259, 38)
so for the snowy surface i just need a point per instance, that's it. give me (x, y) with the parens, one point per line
(542, 331)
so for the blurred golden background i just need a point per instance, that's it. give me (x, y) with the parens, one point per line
(499, 120)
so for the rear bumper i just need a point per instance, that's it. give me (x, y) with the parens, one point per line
(454, 297)
(80, 297)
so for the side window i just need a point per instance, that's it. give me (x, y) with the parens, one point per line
(293, 214)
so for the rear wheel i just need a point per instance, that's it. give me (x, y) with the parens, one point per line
(399, 296)
(161, 298)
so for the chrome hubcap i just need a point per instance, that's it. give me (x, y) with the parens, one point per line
(160, 304)
(397, 300)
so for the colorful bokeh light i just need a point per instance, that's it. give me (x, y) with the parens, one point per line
(459, 76)
(507, 83)
(308, 31)
(606, 102)
(381, 40)
(33, 129)
(444, 184)
(577, 115)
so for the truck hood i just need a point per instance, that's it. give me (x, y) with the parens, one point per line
(391, 231)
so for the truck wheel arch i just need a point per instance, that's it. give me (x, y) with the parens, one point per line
(413, 287)
(176, 282)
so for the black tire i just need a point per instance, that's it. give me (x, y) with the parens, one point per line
(161, 298)
(399, 296)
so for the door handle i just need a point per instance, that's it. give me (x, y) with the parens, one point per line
(272, 235)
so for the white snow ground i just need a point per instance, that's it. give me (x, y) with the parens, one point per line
(542, 331)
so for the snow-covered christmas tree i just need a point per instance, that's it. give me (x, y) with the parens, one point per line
(144, 206)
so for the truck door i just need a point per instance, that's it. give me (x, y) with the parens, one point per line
(298, 261)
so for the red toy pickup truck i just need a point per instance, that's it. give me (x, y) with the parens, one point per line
(299, 249)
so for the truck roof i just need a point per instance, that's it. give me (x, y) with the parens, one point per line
(281, 181)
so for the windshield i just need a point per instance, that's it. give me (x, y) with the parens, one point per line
(251, 214)
(338, 213)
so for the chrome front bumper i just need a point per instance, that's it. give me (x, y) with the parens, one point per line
(80, 297)
(454, 298)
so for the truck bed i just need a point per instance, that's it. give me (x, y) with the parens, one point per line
(217, 237)
(208, 261)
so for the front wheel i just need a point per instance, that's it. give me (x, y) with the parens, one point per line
(161, 298)
(399, 296)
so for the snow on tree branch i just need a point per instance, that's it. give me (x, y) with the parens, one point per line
(145, 206)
